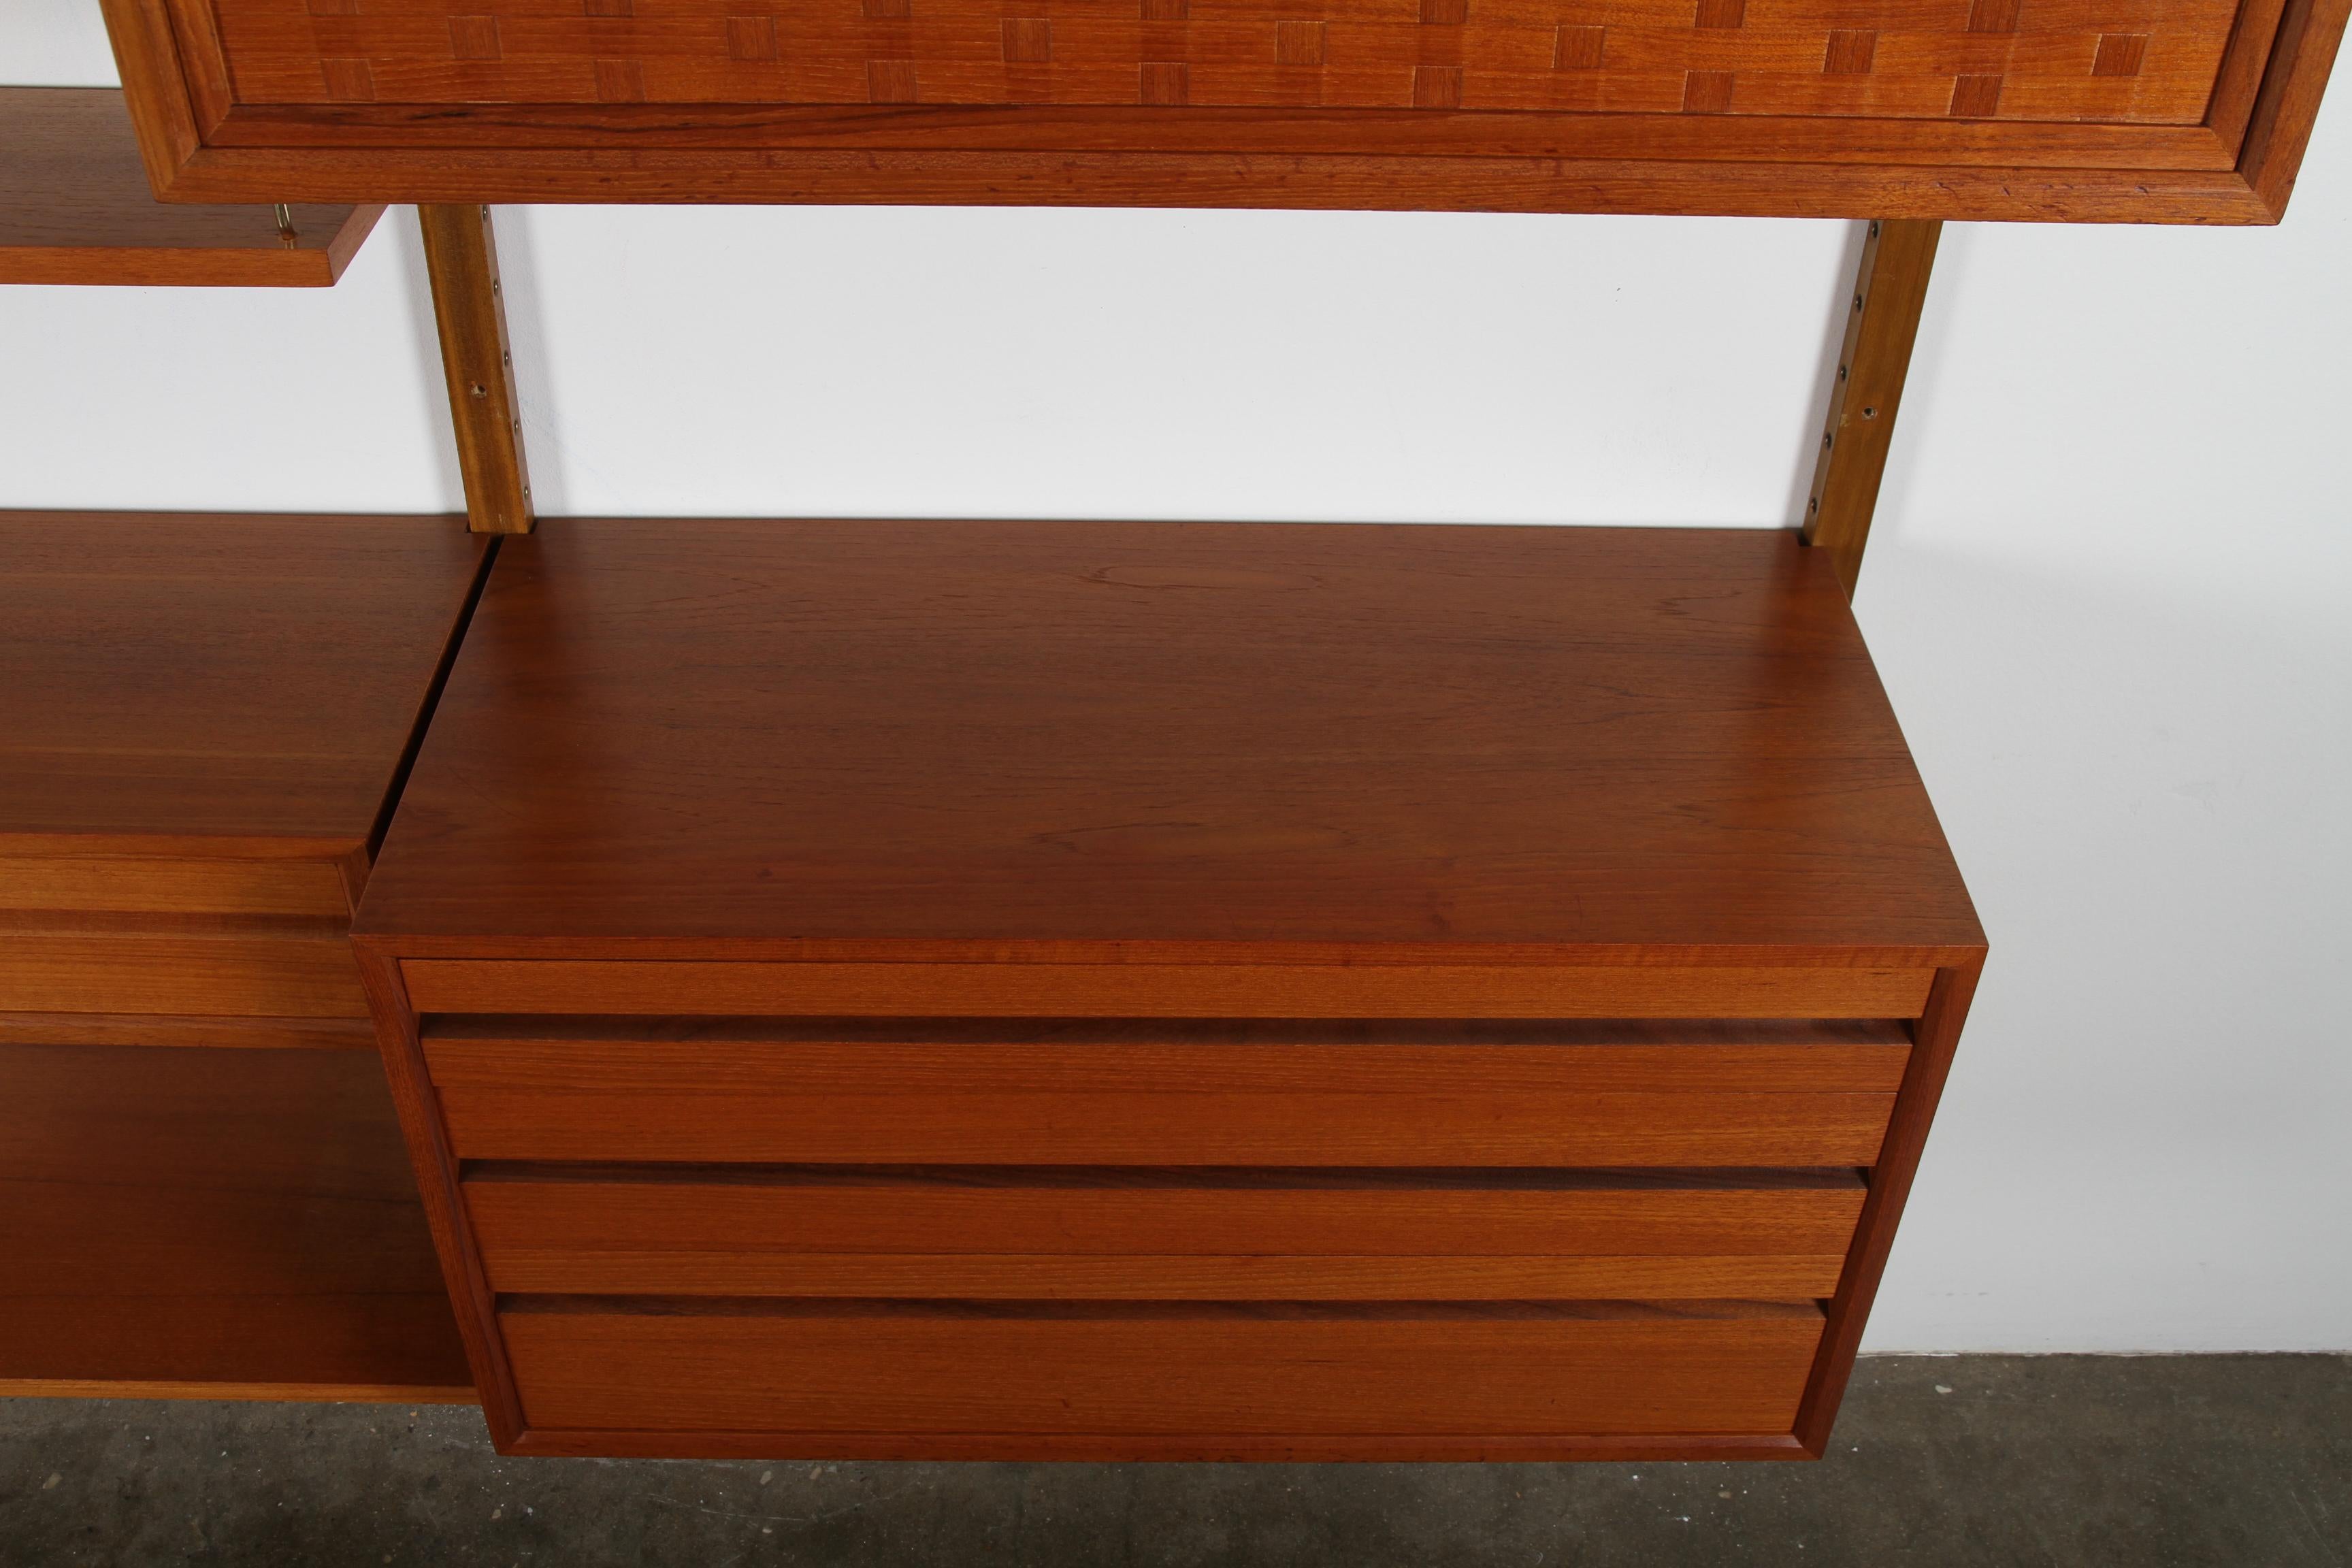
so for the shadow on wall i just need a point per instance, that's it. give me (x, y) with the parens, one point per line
(2144, 1143)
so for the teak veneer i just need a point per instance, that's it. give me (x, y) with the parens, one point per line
(204, 722)
(217, 1224)
(75, 208)
(1120, 989)
(2168, 110)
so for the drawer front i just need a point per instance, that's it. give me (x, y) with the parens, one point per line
(1144, 1371)
(1296, 1235)
(193, 977)
(1134, 1104)
(1160, 990)
(992, 1236)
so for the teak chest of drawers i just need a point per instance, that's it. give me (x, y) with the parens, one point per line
(204, 722)
(1163, 991)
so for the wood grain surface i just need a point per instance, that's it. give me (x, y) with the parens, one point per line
(210, 976)
(229, 1223)
(1164, 990)
(162, 885)
(2066, 111)
(169, 681)
(1090, 1104)
(241, 1033)
(1153, 1370)
(1099, 736)
(1442, 1127)
(1178, 1277)
(75, 208)
(1162, 1234)
(203, 722)
(887, 1055)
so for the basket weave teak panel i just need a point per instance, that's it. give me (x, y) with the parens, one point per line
(2158, 109)
(2125, 62)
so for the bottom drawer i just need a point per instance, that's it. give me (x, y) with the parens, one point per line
(802, 1371)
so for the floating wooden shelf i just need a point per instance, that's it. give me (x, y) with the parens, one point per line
(75, 208)
(202, 1186)
(1158, 990)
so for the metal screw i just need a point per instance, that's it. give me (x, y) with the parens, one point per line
(479, 390)
(1826, 442)
(1870, 414)
(1841, 373)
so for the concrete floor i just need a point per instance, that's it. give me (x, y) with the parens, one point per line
(2238, 1460)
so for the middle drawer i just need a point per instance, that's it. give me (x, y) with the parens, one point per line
(1203, 1235)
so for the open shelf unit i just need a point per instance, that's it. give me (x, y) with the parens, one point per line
(220, 1222)
(203, 1186)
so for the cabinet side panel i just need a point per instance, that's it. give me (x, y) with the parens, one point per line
(436, 1181)
(1938, 1034)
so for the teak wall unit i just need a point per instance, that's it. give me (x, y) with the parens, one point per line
(1081, 990)
(202, 1185)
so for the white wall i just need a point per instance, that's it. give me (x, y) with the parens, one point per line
(2106, 590)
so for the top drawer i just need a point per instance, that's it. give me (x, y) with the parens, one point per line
(1176, 991)
(1108, 1091)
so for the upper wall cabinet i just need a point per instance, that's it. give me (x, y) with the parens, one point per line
(2163, 111)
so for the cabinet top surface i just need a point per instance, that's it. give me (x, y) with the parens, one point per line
(863, 732)
(175, 677)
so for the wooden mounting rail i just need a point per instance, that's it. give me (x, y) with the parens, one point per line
(469, 307)
(1889, 289)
